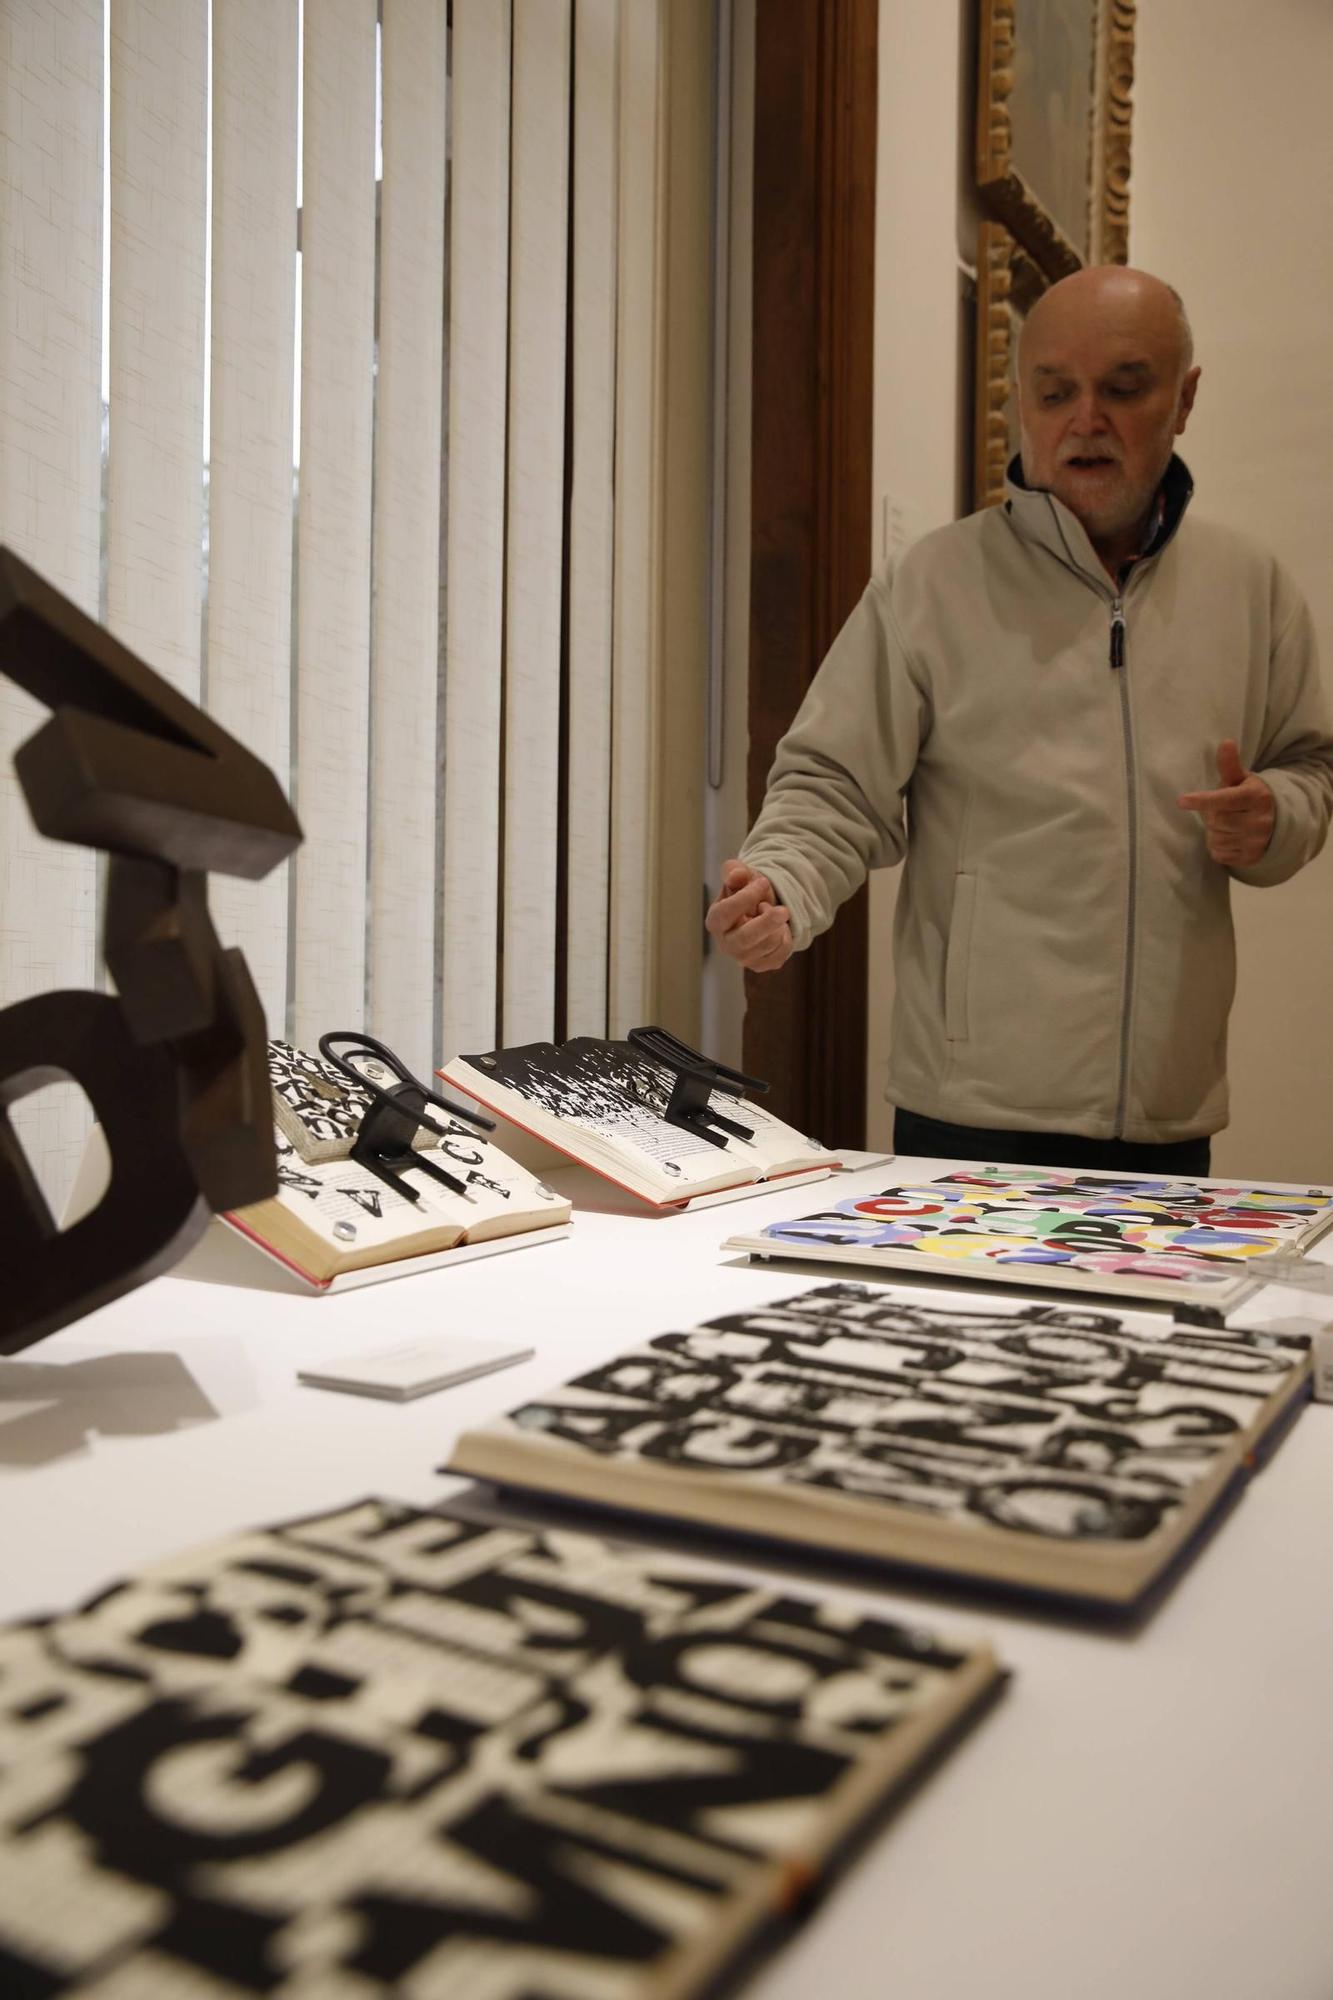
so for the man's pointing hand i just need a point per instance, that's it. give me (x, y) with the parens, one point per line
(1238, 818)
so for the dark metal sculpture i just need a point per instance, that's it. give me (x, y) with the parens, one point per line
(173, 1065)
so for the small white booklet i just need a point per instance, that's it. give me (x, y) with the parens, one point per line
(414, 1367)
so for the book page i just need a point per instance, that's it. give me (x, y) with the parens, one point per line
(773, 1142)
(352, 1209)
(497, 1189)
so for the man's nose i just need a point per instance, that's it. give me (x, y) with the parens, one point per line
(1088, 414)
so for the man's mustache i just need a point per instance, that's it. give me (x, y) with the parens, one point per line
(1092, 449)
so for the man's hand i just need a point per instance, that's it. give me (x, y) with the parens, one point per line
(1238, 819)
(748, 922)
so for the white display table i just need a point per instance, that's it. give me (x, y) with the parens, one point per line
(1146, 1815)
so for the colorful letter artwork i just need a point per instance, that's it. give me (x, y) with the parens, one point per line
(1167, 1231)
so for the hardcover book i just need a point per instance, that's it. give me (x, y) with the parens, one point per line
(387, 1752)
(1203, 1242)
(333, 1215)
(602, 1104)
(1050, 1447)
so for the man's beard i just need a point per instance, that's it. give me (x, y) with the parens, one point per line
(1106, 504)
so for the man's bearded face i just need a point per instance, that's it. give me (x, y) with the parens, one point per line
(1101, 403)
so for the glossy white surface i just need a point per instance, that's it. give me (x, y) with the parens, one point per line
(1146, 1813)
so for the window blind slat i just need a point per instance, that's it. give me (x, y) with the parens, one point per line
(404, 841)
(50, 467)
(478, 289)
(591, 510)
(333, 541)
(250, 474)
(154, 526)
(538, 235)
(633, 802)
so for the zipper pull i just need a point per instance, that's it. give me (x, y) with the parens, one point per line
(1118, 632)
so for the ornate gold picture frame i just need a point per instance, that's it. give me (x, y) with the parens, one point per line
(1054, 101)
(1053, 126)
(1009, 283)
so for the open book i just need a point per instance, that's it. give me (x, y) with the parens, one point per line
(1051, 1447)
(332, 1215)
(388, 1752)
(1202, 1242)
(602, 1103)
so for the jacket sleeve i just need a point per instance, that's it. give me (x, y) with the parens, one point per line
(834, 804)
(1296, 756)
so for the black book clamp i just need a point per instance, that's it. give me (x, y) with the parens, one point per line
(696, 1078)
(383, 1144)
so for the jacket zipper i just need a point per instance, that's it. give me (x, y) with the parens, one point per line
(1117, 660)
(1131, 792)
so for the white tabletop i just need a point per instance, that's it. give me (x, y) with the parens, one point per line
(1146, 1813)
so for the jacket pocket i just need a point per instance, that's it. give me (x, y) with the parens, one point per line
(957, 964)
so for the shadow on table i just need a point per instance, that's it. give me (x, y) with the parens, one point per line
(54, 1410)
(223, 1257)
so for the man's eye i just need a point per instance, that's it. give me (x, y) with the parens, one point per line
(1050, 397)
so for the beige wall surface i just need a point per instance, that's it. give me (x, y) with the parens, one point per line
(1233, 162)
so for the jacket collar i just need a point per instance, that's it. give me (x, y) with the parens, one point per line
(1039, 517)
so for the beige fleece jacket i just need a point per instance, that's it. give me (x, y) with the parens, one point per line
(1063, 945)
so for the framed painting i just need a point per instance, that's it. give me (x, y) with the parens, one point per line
(1009, 283)
(1053, 127)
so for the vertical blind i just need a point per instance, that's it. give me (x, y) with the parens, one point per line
(51, 95)
(365, 461)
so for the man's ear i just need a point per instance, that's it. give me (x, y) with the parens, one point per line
(1188, 389)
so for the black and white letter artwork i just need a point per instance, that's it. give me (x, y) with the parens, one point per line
(339, 1190)
(606, 1086)
(318, 1110)
(292, 1176)
(387, 1752)
(1062, 1423)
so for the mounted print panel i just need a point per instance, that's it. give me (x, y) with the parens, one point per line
(1176, 1240)
(392, 1752)
(1050, 1447)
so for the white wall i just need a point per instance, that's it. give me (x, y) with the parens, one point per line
(917, 358)
(1233, 162)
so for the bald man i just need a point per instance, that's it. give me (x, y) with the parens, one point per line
(1074, 719)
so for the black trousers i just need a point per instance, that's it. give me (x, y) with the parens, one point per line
(930, 1138)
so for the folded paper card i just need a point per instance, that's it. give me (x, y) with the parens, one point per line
(414, 1367)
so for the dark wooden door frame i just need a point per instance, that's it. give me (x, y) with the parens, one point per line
(811, 499)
